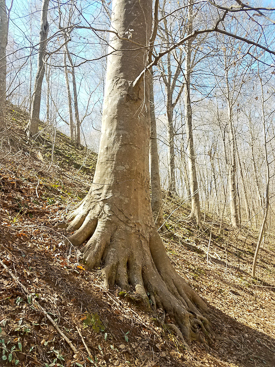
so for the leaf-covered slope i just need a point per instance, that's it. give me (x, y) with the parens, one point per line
(53, 312)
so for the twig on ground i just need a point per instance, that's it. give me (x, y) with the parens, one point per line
(83, 341)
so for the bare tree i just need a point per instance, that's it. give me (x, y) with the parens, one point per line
(116, 216)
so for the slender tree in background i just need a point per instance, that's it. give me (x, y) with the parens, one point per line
(76, 111)
(170, 75)
(194, 187)
(116, 216)
(71, 119)
(3, 61)
(156, 200)
(266, 204)
(32, 128)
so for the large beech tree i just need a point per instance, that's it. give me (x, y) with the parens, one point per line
(116, 216)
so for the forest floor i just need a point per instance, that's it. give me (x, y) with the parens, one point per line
(53, 312)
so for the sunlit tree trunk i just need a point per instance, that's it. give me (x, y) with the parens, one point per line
(32, 128)
(71, 120)
(244, 185)
(232, 172)
(76, 111)
(267, 179)
(116, 217)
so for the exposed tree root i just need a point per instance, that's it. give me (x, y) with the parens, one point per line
(132, 254)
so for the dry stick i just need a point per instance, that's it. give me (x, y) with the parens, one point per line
(83, 341)
(40, 308)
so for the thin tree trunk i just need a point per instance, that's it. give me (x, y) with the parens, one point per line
(232, 162)
(267, 168)
(186, 177)
(171, 147)
(76, 111)
(71, 120)
(48, 80)
(195, 198)
(243, 184)
(156, 201)
(32, 128)
(3, 61)
(30, 83)
(254, 164)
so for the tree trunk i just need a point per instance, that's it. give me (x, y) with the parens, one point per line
(156, 201)
(116, 216)
(76, 111)
(3, 61)
(185, 173)
(195, 198)
(71, 120)
(36, 100)
(48, 80)
(244, 185)
(232, 172)
(252, 139)
(171, 143)
(267, 169)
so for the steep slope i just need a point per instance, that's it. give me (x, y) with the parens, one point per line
(55, 313)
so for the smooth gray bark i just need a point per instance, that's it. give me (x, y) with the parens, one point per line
(116, 217)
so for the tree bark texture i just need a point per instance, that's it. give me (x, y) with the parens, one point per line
(3, 61)
(116, 216)
(36, 99)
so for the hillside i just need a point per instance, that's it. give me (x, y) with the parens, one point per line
(53, 312)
